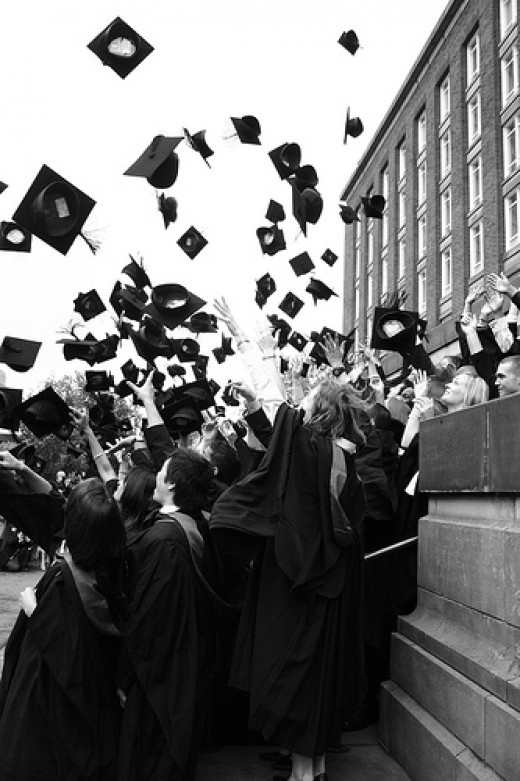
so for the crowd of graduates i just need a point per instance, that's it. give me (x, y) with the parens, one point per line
(220, 579)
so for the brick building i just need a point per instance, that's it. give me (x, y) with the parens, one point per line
(447, 159)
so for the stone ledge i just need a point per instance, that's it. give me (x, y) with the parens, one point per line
(502, 739)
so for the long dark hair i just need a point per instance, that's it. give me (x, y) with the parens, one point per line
(338, 411)
(94, 530)
(136, 497)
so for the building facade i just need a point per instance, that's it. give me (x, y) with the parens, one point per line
(447, 159)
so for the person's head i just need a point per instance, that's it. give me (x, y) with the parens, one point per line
(137, 493)
(335, 410)
(94, 530)
(224, 460)
(185, 481)
(507, 377)
(464, 391)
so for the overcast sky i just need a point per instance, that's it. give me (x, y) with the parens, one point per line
(276, 59)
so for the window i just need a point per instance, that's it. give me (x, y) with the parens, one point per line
(446, 211)
(446, 272)
(421, 292)
(385, 179)
(510, 143)
(445, 143)
(370, 289)
(511, 217)
(509, 74)
(507, 16)
(421, 132)
(473, 58)
(357, 259)
(421, 182)
(421, 236)
(384, 228)
(356, 301)
(401, 160)
(474, 118)
(444, 99)
(384, 274)
(475, 183)
(402, 208)
(476, 248)
(401, 258)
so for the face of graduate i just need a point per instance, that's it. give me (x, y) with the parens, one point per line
(163, 493)
(453, 396)
(507, 381)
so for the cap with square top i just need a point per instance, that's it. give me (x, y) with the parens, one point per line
(349, 41)
(319, 290)
(186, 350)
(89, 305)
(297, 341)
(98, 381)
(130, 371)
(272, 239)
(302, 264)
(192, 242)
(281, 329)
(168, 208)
(3, 186)
(199, 392)
(329, 257)
(353, 127)
(80, 349)
(173, 304)
(248, 129)
(291, 305)
(159, 163)
(348, 214)
(265, 287)
(151, 342)
(374, 206)
(286, 159)
(120, 47)
(203, 323)
(19, 354)
(133, 302)
(224, 351)
(198, 143)
(46, 413)
(14, 238)
(182, 417)
(275, 212)
(137, 274)
(54, 210)
(394, 329)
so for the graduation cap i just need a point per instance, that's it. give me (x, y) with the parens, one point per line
(176, 370)
(168, 208)
(348, 214)
(54, 210)
(80, 349)
(374, 206)
(159, 163)
(200, 367)
(182, 417)
(151, 342)
(9, 399)
(297, 341)
(197, 142)
(290, 305)
(349, 41)
(186, 350)
(115, 299)
(120, 47)
(248, 129)
(313, 204)
(228, 397)
(225, 349)
(329, 257)
(286, 159)
(3, 186)
(101, 415)
(137, 274)
(192, 242)
(275, 212)
(265, 287)
(173, 304)
(199, 392)
(272, 239)
(281, 329)
(123, 389)
(46, 413)
(19, 354)
(203, 323)
(130, 371)
(394, 329)
(132, 301)
(98, 381)
(14, 238)
(318, 352)
(305, 176)
(302, 264)
(158, 380)
(106, 348)
(319, 290)
(353, 127)
(89, 305)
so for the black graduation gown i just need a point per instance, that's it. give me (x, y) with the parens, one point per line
(169, 641)
(299, 650)
(59, 712)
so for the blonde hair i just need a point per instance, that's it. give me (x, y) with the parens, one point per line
(475, 392)
(338, 411)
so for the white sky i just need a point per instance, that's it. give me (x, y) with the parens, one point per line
(276, 59)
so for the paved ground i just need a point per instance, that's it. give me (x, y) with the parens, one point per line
(366, 760)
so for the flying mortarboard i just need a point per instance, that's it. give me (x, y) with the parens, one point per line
(248, 129)
(80, 349)
(349, 41)
(348, 214)
(173, 304)
(305, 176)
(286, 159)
(374, 206)
(228, 397)
(182, 417)
(89, 305)
(46, 413)
(291, 305)
(265, 287)
(168, 208)
(297, 341)
(54, 210)
(159, 163)
(106, 348)
(313, 205)
(200, 392)
(176, 370)
(197, 142)
(203, 323)
(98, 381)
(186, 350)
(137, 274)
(120, 47)
(9, 399)
(3, 186)
(150, 341)
(130, 371)
(19, 354)
(192, 242)
(114, 299)
(14, 238)
(353, 127)
(394, 329)
(329, 257)
(133, 302)
(281, 329)
(275, 212)
(225, 350)
(200, 367)
(271, 239)
(319, 290)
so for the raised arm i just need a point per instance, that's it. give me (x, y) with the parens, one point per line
(100, 458)
(34, 482)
